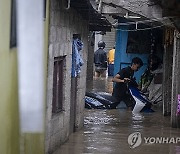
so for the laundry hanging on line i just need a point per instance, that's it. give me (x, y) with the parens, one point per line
(77, 60)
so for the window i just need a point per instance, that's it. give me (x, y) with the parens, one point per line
(13, 39)
(139, 42)
(58, 77)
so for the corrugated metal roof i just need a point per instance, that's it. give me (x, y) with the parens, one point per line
(96, 21)
(171, 8)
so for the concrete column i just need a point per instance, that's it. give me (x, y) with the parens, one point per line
(175, 120)
(90, 61)
(31, 75)
(167, 80)
(167, 74)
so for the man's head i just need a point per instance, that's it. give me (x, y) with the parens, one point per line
(136, 64)
(101, 44)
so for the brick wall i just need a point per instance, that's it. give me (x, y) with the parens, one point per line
(63, 24)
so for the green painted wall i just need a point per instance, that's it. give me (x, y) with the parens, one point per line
(10, 140)
(32, 143)
(9, 117)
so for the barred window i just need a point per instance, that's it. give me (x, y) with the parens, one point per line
(58, 77)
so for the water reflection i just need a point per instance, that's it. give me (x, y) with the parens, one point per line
(100, 85)
(107, 131)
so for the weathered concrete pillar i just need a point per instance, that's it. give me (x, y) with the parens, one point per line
(167, 68)
(175, 120)
(31, 75)
(90, 60)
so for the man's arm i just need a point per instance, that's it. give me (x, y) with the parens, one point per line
(116, 78)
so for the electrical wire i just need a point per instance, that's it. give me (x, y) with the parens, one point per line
(150, 21)
(142, 29)
(145, 21)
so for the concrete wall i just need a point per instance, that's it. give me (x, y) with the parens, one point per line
(109, 39)
(63, 24)
(9, 115)
(98, 37)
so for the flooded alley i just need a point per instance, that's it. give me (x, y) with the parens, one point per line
(58, 62)
(107, 131)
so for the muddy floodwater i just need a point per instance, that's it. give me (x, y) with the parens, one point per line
(118, 131)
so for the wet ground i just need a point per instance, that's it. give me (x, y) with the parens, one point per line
(107, 131)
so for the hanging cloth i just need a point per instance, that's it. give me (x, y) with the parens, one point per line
(77, 60)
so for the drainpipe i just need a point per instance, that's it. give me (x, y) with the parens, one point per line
(69, 5)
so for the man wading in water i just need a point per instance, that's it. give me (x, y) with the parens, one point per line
(120, 90)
